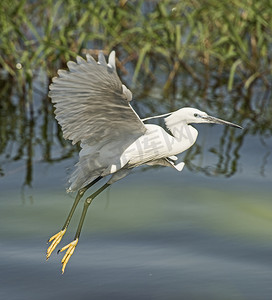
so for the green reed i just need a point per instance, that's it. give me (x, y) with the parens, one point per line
(230, 37)
(214, 55)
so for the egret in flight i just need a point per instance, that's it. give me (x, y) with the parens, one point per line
(93, 108)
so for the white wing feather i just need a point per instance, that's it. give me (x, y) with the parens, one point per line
(92, 105)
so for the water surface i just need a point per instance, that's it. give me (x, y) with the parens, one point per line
(157, 234)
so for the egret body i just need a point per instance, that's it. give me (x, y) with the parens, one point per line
(93, 108)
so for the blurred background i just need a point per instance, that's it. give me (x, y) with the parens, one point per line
(205, 233)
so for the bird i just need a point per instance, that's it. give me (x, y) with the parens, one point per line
(93, 108)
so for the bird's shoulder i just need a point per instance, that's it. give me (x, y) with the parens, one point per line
(156, 130)
(150, 128)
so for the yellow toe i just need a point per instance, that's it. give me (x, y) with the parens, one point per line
(70, 250)
(55, 239)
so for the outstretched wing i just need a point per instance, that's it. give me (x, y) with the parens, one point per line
(92, 104)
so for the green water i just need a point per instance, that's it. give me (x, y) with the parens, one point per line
(157, 234)
(204, 233)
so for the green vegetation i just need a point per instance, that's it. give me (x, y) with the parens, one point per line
(230, 37)
(214, 55)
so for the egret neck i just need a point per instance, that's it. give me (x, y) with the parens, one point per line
(184, 134)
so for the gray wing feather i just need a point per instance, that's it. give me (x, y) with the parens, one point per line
(92, 105)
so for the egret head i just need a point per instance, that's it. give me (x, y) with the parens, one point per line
(192, 115)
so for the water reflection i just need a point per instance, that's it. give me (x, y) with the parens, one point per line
(196, 236)
(29, 130)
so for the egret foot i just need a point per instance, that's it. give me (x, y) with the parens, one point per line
(56, 239)
(71, 248)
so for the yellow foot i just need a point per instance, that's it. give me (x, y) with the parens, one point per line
(71, 248)
(56, 239)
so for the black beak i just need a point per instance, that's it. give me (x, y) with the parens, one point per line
(219, 121)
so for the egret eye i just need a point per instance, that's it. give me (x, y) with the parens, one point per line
(196, 115)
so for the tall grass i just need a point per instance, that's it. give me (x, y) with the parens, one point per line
(229, 37)
(203, 53)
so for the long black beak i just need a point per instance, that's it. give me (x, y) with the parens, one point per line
(219, 121)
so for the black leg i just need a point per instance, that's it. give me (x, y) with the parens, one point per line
(79, 195)
(71, 246)
(87, 202)
(55, 239)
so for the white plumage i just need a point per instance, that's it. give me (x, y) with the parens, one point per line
(93, 108)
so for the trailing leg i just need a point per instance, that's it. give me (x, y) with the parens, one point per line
(55, 239)
(71, 246)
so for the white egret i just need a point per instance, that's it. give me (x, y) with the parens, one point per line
(93, 108)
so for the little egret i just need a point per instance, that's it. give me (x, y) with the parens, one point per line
(93, 108)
